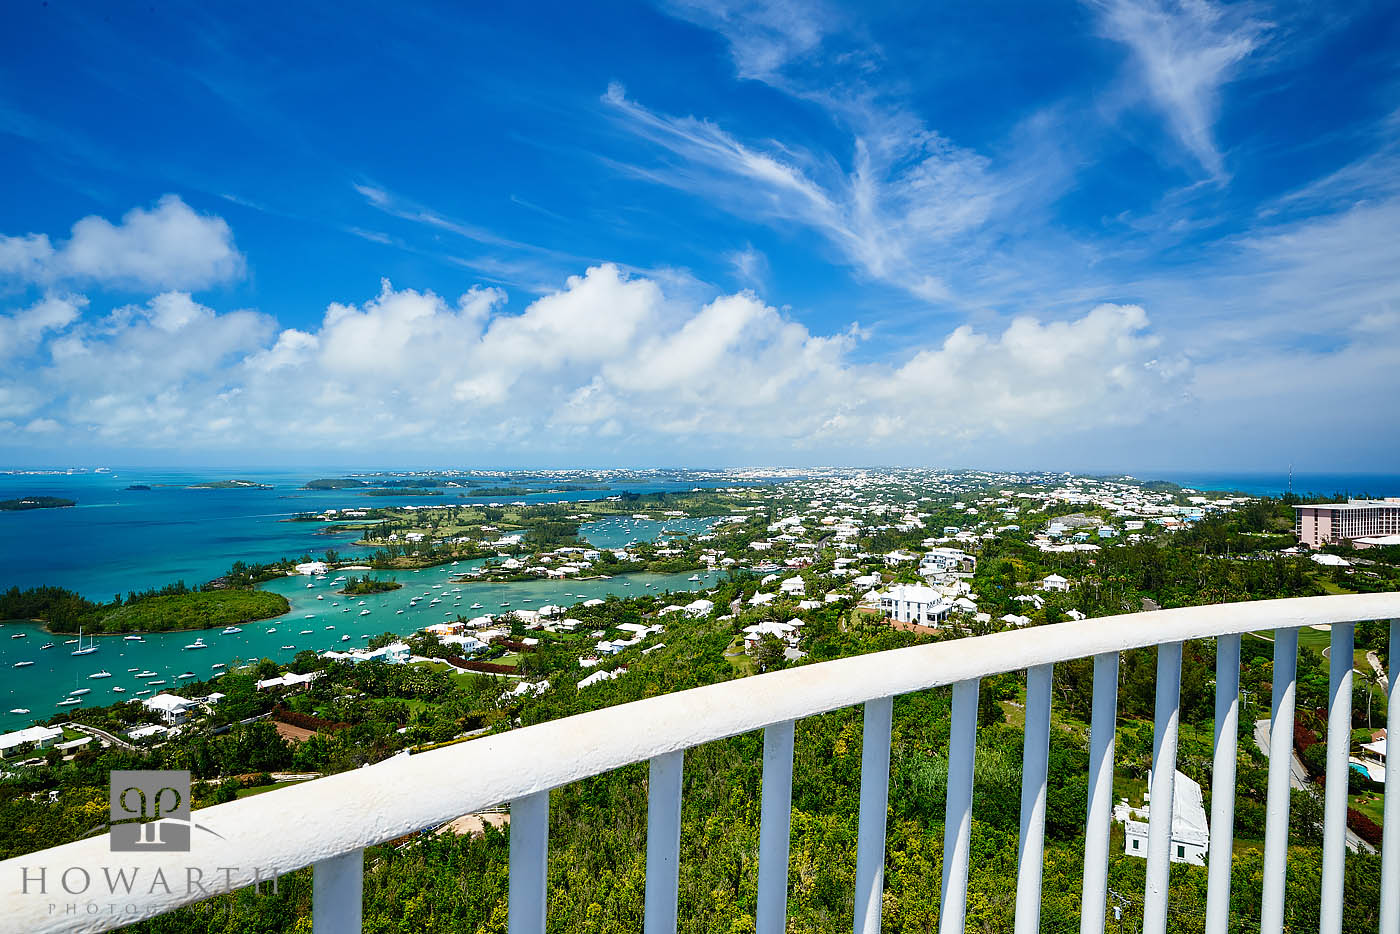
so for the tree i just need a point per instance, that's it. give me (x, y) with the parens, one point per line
(769, 653)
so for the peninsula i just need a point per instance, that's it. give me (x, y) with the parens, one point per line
(35, 502)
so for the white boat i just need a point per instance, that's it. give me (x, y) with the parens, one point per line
(330, 627)
(142, 693)
(130, 670)
(218, 665)
(365, 636)
(188, 674)
(80, 650)
(288, 647)
(154, 683)
(80, 692)
(23, 664)
(197, 644)
(20, 710)
(693, 577)
(320, 596)
(272, 630)
(309, 586)
(119, 690)
(399, 613)
(133, 639)
(46, 645)
(305, 632)
(366, 612)
(230, 630)
(476, 606)
(345, 638)
(307, 616)
(146, 674)
(70, 702)
(69, 641)
(104, 673)
(19, 635)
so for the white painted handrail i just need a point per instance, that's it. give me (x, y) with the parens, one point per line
(307, 824)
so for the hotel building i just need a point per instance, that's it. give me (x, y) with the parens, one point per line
(1358, 519)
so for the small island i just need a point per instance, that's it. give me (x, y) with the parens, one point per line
(139, 486)
(361, 586)
(229, 485)
(335, 483)
(35, 502)
(172, 608)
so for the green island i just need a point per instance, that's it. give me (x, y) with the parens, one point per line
(159, 611)
(35, 502)
(361, 586)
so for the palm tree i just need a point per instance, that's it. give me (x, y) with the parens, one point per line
(1372, 679)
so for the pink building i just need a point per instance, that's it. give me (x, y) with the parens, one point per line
(1331, 523)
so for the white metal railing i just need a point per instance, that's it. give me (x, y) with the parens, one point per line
(328, 823)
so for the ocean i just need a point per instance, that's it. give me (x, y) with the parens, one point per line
(1277, 483)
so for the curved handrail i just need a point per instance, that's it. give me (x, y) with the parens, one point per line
(340, 813)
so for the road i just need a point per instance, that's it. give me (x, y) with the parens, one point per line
(103, 735)
(1298, 780)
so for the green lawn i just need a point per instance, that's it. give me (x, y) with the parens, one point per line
(249, 792)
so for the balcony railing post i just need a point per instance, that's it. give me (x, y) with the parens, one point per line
(1390, 843)
(775, 829)
(1035, 760)
(1222, 785)
(1280, 771)
(1159, 823)
(1334, 807)
(337, 889)
(1096, 829)
(529, 863)
(957, 824)
(663, 842)
(874, 801)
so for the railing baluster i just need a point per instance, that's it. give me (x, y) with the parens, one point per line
(1035, 760)
(874, 801)
(1334, 806)
(337, 887)
(529, 863)
(1222, 785)
(775, 829)
(957, 825)
(663, 842)
(1096, 828)
(1159, 824)
(1390, 843)
(1280, 769)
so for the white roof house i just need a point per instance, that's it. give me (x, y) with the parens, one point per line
(1055, 582)
(1190, 832)
(312, 567)
(914, 603)
(40, 736)
(172, 707)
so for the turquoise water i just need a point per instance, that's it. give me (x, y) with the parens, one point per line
(117, 540)
(56, 672)
(621, 531)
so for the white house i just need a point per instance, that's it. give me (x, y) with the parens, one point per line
(1190, 832)
(312, 567)
(1054, 583)
(41, 736)
(914, 603)
(700, 607)
(172, 707)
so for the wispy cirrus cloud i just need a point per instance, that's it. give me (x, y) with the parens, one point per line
(1186, 51)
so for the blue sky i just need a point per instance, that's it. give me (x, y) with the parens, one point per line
(1115, 234)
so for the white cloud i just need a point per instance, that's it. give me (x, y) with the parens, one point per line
(1187, 51)
(911, 201)
(763, 35)
(607, 356)
(167, 247)
(21, 331)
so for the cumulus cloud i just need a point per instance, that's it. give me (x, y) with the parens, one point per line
(169, 246)
(608, 359)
